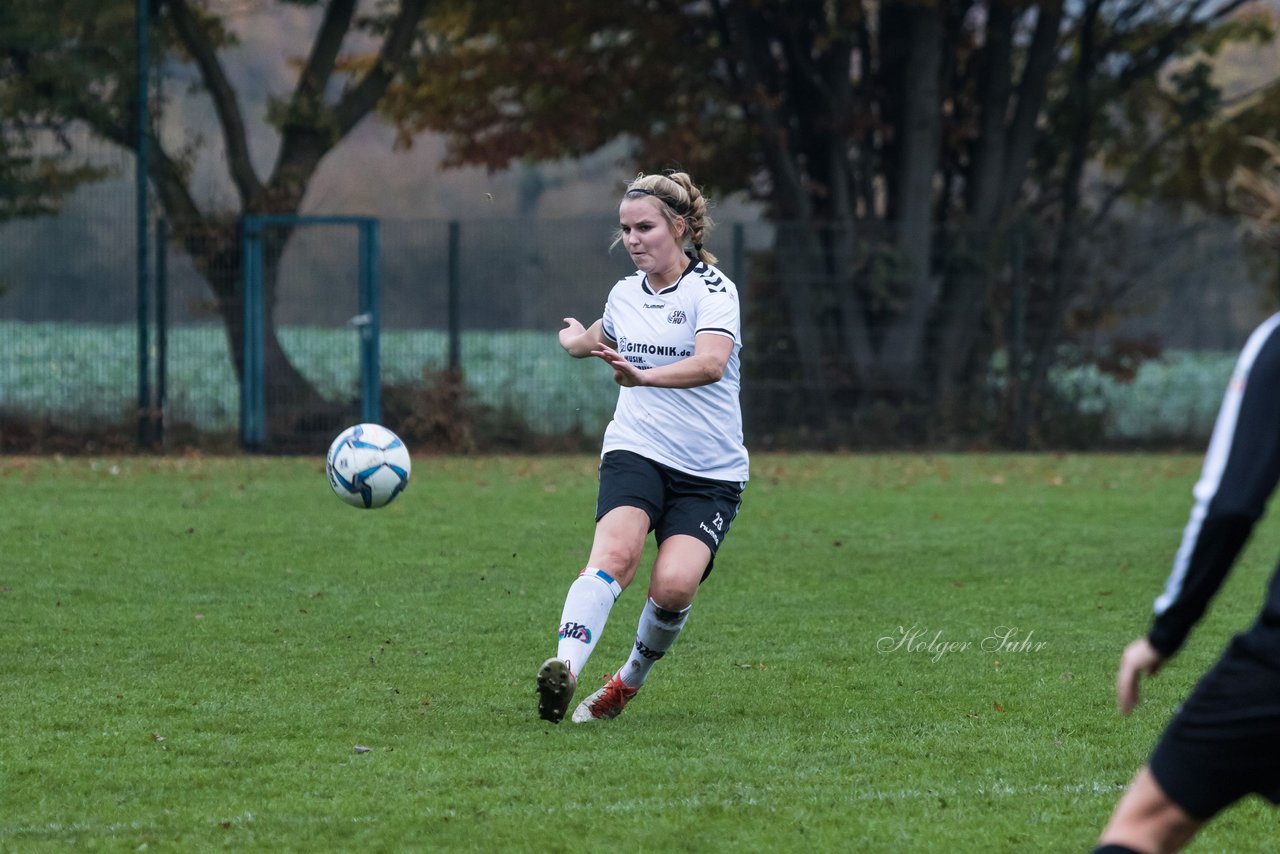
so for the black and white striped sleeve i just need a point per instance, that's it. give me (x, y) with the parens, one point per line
(1240, 471)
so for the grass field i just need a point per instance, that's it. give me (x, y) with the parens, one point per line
(194, 649)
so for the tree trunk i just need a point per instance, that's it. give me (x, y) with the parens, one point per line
(902, 353)
(797, 246)
(310, 128)
(216, 251)
(1079, 102)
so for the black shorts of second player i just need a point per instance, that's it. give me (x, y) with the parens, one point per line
(677, 503)
(1224, 741)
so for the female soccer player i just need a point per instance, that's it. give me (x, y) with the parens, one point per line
(1224, 741)
(673, 461)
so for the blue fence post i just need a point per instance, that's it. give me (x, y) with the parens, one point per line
(253, 402)
(142, 51)
(144, 340)
(162, 329)
(455, 298)
(370, 331)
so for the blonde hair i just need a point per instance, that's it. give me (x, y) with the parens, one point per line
(680, 198)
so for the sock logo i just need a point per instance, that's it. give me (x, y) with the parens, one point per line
(651, 654)
(577, 631)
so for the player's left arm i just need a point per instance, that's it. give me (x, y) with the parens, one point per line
(1249, 476)
(711, 353)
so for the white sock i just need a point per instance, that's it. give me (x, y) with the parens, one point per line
(586, 610)
(659, 627)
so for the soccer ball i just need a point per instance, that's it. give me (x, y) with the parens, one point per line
(368, 466)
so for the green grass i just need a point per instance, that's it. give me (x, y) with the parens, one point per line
(194, 647)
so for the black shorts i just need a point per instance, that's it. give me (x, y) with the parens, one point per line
(1224, 741)
(677, 503)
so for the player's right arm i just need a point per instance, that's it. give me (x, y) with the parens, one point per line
(578, 341)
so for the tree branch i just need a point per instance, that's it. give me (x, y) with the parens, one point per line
(995, 85)
(1117, 190)
(305, 142)
(358, 101)
(1173, 39)
(196, 40)
(309, 93)
(1032, 88)
(790, 198)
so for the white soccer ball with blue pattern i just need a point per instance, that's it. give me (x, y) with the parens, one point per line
(368, 466)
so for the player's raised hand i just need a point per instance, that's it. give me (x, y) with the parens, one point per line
(1139, 659)
(573, 330)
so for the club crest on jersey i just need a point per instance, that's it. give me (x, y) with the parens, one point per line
(676, 317)
(576, 631)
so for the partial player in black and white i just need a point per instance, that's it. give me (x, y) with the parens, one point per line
(673, 460)
(1223, 743)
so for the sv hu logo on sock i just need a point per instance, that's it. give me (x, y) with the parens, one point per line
(576, 631)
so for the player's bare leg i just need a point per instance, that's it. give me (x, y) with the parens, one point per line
(678, 570)
(1146, 820)
(619, 543)
(677, 573)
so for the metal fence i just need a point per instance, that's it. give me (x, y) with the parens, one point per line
(481, 369)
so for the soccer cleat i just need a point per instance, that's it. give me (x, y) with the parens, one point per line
(556, 684)
(605, 703)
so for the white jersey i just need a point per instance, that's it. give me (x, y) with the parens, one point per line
(695, 430)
